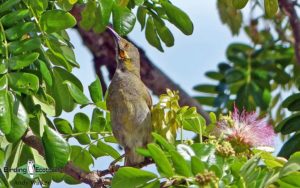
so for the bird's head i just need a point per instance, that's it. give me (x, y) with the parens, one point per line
(128, 56)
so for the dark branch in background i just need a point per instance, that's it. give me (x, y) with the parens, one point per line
(91, 178)
(102, 47)
(290, 11)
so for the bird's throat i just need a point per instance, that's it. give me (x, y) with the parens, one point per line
(127, 65)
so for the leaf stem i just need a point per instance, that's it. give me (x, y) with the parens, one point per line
(81, 133)
(200, 131)
(5, 41)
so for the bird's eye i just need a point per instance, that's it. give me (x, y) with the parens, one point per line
(122, 54)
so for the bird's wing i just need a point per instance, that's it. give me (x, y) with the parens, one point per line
(148, 98)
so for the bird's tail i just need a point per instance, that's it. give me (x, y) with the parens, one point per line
(132, 158)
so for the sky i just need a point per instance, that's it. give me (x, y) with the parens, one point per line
(185, 62)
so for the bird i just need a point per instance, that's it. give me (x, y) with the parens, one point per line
(129, 102)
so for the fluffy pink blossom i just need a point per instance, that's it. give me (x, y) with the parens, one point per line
(245, 129)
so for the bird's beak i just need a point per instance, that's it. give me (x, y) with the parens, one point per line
(115, 34)
(117, 38)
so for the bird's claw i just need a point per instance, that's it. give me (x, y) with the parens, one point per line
(113, 168)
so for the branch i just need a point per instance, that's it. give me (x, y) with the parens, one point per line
(102, 47)
(172, 182)
(290, 11)
(91, 178)
(95, 179)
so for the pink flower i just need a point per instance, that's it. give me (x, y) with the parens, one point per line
(245, 129)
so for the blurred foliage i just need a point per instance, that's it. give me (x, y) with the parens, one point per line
(257, 76)
(290, 125)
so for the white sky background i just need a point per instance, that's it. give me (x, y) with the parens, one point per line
(185, 62)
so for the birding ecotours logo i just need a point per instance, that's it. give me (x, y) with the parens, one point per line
(30, 170)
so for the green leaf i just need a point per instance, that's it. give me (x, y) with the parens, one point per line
(291, 146)
(45, 72)
(11, 18)
(5, 110)
(21, 61)
(81, 158)
(96, 91)
(139, 2)
(292, 102)
(108, 150)
(123, 20)
(293, 165)
(203, 151)
(234, 75)
(239, 4)
(163, 142)
(76, 93)
(180, 165)
(82, 125)
(214, 75)
(38, 6)
(213, 117)
(66, 5)
(151, 34)
(68, 54)
(209, 101)
(197, 165)
(95, 151)
(57, 58)
(3, 66)
(62, 95)
(20, 120)
(132, 177)
(46, 102)
(8, 5)
(230, 15)
(88, 15)
(2, 157)
(17, 47)
(271, 7)
(110, 139)
(3, 180)
(270, 161)
(63, 126)
(163, 31)
(81, 122)
(290, 124)
(98, 123)
(206, 88)
(141, 16)
(19, 30)
(290, 181)
(57, 149)
(144, 152)
(23, 82)
(56, 20)
(179, 18)
(103, 14)
(161, 160)
(106, 8)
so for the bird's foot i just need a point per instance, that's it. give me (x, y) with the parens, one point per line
(113, 168)
(146, 162)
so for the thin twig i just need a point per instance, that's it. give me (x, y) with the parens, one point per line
(289, 8)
